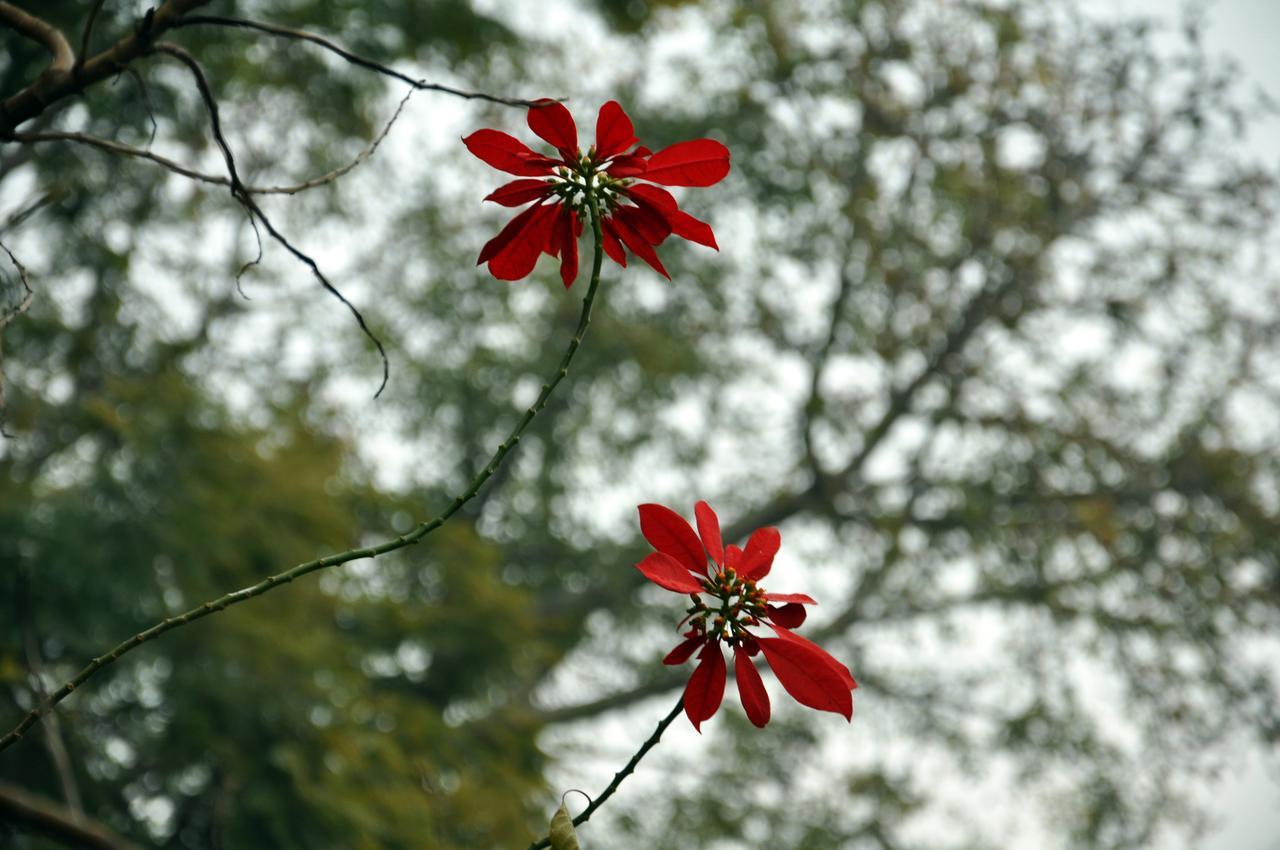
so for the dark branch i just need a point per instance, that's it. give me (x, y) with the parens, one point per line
(241, 193)
(87, 35)
(354, 59)
(57, 821)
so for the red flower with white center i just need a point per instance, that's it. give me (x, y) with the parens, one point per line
(727, 604)
(635, 216)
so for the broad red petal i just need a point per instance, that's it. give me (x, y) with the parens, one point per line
(789, 616)
(507, 153)
(637, 245)
(755, 699)
(647, 221)
(709, 531)
(519, 192)
(612, 246)
(801, 598)
(705, 690)
(660, 198)
(519, 257)
(807, 676)
(665, 571)
(668, 532)
(757, 558)
(830, 659)
(553, 123)
(684, 651)
(509, 232)
(733, 557)
(700, 162)
(614, 131)
(682, 224)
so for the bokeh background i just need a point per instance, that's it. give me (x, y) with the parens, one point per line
(991, 337)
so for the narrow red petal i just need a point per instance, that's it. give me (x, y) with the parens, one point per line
(755, 699)
(518, 258)
(789, 616)
(757, 558)
(684, 651)
(733, 557)
(687, 227)
(705, 690)
(519, 192)
(507, 153)
(553, 124)
(667, 572)
(612, 246)
(660, 198)
(807, 677)
(709, 531)
(700, 162)
(801, 598)
(629, 165)
(637, 245)
(668, 532)
(614, 131)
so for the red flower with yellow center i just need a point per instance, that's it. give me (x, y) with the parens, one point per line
(728, 603)
(635, 216)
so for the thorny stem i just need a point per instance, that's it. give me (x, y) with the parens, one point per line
(626, 771)
(399, 542)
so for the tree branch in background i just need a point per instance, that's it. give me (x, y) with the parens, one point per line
(56, 821)
(355, 59)
(24, 303)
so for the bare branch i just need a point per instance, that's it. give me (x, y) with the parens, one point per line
(378, 67)
(40, 30)
(241, 194)
(87, 34)
(24, 303)
(57, 822)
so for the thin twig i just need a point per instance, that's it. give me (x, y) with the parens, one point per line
(626, 771)
(240, 193)
(24, 303)
(355, 59)
(146, 101)
(87, 34)
(412, 537)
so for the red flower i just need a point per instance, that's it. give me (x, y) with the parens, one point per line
(727, 602)
(635, 216)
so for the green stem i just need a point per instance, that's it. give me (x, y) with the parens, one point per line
(400, 542)
(626, 771)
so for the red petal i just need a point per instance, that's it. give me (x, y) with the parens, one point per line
(755, 699)
(629, 165)
(705, 690)
(660, 198)
(667, 532)
(701, 162)
(638, 246)
(840, 669)
(648, 221)
(612, 246)
(757, 559)
(507, 153)
(614, 131)
(569, 247)
(553, 123)
(665, 571)
(789, 616)
(732, 557)
(801, 598)
(709, 531)
(519, 257)
(684, 651)
(682, 224)
(495, 245)
(519, 192)
(807, 676)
